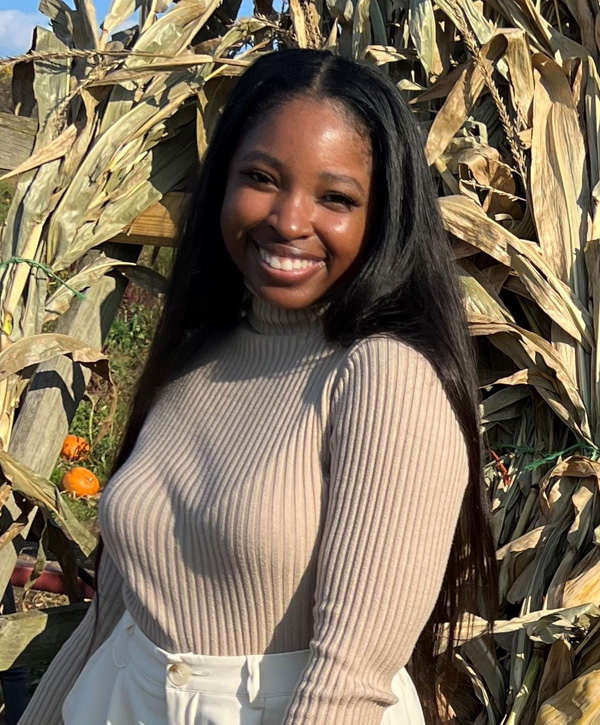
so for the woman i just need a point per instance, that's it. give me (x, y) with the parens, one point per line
(281, 526)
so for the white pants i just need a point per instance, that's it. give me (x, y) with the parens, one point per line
(131, 681)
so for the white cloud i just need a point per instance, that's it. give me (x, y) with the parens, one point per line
(16, 30)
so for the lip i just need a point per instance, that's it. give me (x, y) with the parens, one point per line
(289, 276)
(285, 250)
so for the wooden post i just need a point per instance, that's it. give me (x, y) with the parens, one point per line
(159, 224)
(31, 638)
(18, 137)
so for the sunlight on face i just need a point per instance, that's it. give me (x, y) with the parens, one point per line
(295, 213)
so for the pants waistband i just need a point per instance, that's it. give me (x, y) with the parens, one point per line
(244, 676)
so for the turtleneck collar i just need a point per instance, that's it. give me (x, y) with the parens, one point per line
(270, 319)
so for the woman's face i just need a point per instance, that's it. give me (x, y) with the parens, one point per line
(296, 208)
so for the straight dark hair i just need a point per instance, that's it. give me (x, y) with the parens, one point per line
(404, 286)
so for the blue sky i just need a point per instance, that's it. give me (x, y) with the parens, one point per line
(19, 17)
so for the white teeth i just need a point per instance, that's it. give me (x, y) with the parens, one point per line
(285, 263)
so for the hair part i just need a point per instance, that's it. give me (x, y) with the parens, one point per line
(404, 287)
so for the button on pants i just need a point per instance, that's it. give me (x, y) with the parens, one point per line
(131, 681)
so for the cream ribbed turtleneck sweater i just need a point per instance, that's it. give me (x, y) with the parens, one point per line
(285, 493)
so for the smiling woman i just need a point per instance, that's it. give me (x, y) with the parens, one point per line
(296, 207)
(297, 510)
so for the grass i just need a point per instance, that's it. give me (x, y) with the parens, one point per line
(102, 414)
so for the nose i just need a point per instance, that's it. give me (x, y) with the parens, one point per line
(291, 215)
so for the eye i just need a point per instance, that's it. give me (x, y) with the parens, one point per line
(259, 177)
(335, 199)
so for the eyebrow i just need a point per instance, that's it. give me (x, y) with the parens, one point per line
(332, 178)
(264, 157)
(327, 176)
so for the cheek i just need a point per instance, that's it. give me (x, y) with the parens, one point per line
(242, 208)
(346, 238)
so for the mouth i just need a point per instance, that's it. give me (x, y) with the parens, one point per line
(287, 264)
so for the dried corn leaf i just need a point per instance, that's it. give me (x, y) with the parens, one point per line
(468, 222)
(54, 150)
(88, 180)
(559, 186)
(482, 658)
(361, 35)
(384, 54)
(58, 303)
(525, 15)
(562, 623)
(167, 66)
(45, 346)
(578, 702)
(529, 351)
(479, 688)
(11, 533)
(118, 12)
(421, 23)
(41, 492)
(457, 9)
(167, 37)
(587, 653)
(479, 295)
(558, 671)
(461, 100)
(86, 12)
(584, 585)
(149, 279)
(494, 406)
(520, 74)
(569, 313)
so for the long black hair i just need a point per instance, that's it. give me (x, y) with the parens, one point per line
(405, 286)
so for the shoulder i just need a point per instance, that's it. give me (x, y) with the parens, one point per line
(389, 390)
(389, 360)
(392, 380)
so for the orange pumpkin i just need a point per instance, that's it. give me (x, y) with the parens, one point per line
(75, 448)
(80, 481)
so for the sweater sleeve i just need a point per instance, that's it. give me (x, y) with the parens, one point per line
(398, 472)
(46, 703)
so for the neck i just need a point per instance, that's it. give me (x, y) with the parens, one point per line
(268, 318)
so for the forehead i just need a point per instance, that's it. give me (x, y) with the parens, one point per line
(313, 132)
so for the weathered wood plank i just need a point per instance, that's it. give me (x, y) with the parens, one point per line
(18, 136)
(31, 638)
(158, 225)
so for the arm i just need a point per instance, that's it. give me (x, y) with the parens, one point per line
(398, 473)
(46, 703)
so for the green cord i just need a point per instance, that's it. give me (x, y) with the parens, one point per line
(47, 270)
(592, 452)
